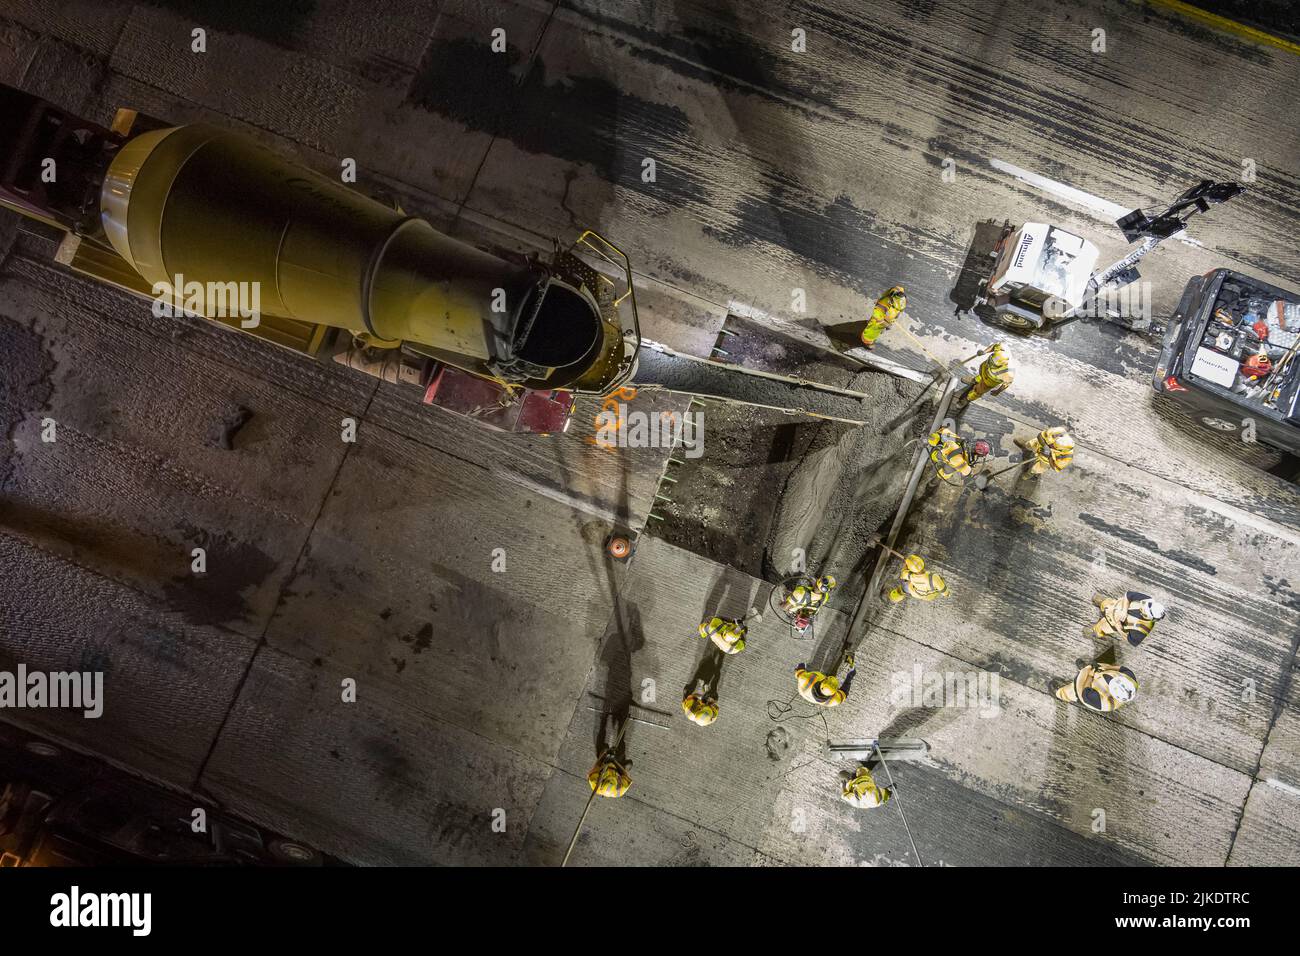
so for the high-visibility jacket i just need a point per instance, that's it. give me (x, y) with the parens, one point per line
(1125, 615)
(699, 710)
(948, 452)
(886, 310)
(1091, 687)
(805, 598)
(1048, 450)
(727, 636)
(993, 378)
(863, 791)
(811, 689)
(923, 585)
(609, 779)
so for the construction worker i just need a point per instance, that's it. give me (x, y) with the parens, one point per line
(1052, 448)
(822, 689)
(609, 778)
(953, 456)
(1101, 687)
(883, 315)
(994, 376)
(803, 601)
(861, 790)
(727, 634)
(700, 709)
(1134, 615)
(918, 582)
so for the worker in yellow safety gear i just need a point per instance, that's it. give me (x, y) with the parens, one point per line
(728, 635)
(805, 600)
(1134, 615)
(1052, 448)
(918, 582)
(994, 376)
(700, 709)
(861, 790)
(1100, 687)
(822, 689)
(609, 778)
(953, 456)
(888, 306)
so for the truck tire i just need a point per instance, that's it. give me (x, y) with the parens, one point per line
(293, 854)
(1219, 424)
(1017, 322)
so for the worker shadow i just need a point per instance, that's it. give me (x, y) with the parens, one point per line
(625, 634)
(1087, 782)
(708, 674)
(846, 335)
(616, 693)
(914, 722)
(731, 596)
(976, 267)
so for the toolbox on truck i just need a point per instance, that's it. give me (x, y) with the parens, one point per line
(1230, 355)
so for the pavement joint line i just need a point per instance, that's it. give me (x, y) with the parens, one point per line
(1279, 705)
(1228, 26)
(1261, 524)
(1136, 730)
(496, 133)
(284, 586)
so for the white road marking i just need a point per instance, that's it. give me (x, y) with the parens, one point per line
(1284, 787)
(1078, 197)
(1105, 209)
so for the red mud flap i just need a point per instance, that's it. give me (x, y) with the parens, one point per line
(494, 406)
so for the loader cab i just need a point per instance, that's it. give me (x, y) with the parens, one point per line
(1039, 272)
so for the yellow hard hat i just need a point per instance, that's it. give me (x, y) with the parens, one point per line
(999, 359)
(914, 563)
(829, 685)
(826, 582)
(935, 438)
(898, 296)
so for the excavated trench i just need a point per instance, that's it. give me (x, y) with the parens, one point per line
(770, 484)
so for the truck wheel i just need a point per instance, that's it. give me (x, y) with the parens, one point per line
(1018, 322)
(1219, 424)
(294, 854)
